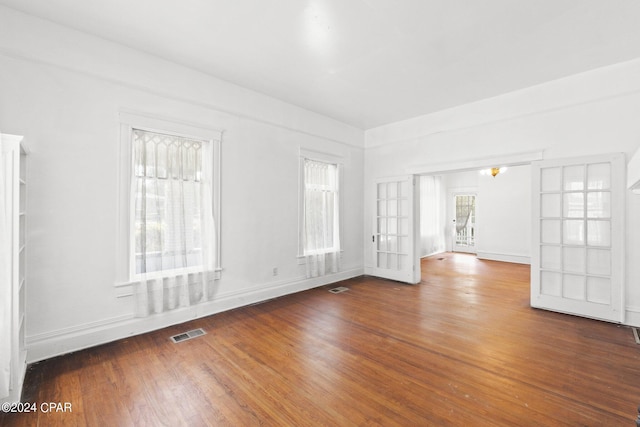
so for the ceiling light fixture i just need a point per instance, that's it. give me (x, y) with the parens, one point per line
(493, 171)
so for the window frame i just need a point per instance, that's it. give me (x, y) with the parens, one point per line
(126, 200)
(323, 158)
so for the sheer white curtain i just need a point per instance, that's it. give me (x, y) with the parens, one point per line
(321, 221)
(173, 222)
(432, 215)
(5, 280)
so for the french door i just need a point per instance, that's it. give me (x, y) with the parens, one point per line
(464, 227)
(393, 237)
(578, 236)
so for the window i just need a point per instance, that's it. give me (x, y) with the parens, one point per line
(168, 188)
(320, 219)
(169, 247)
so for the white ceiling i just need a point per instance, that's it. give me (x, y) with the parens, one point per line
(367, 62)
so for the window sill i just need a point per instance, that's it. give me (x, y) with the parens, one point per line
(302, 258)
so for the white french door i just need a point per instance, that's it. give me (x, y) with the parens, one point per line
(578, 236)
(393, 236)
(464, 224)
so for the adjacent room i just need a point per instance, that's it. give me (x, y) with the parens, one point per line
(319, 212)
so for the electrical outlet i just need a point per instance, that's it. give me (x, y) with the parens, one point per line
(275, 271)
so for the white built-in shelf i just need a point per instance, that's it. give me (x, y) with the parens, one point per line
(13, 168)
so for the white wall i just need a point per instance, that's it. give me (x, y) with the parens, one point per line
(63, 90)
(504, 216)
(589, 113)
(433, 215)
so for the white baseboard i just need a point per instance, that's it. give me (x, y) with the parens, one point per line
(56, 343)
(491, 256)
(632, 316)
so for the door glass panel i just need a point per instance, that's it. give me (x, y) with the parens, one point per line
(392, 190)
(382, 243)
(550, 257)
(393, 244)
(573, 232)
(574, 260)
(599, 233)
(550, 283)
(599, 261)
(598, 290)
(599, 204)
(599, 176)
(550, 205)
(382, 225)
(550, 231)
(382, 208)
(382, 191)
(465, 210)
(573, 205)
(404, 207)
(573, 287)
(551, 179)
(573, 178)
(392, 226)
(393, 208)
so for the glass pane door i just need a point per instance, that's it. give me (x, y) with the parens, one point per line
(464, 230)
(393, 237)
(578, 235)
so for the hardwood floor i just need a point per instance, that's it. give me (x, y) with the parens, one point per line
(461, 348)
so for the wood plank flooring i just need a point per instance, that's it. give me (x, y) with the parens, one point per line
(461, 348)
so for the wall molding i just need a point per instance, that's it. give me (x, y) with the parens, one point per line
(492, 256)
(185, 99)
(39, 41)
(605, 83)
(510, 159)
(55, 343)
(632, 316)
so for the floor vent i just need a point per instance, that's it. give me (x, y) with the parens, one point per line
(338, 290)
(188, 335)
(636, 335)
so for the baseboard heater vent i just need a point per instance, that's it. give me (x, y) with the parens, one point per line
(188, 335)
(636, 335)
(338, 290)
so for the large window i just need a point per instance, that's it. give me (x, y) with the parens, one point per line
(170, 186)
(320, 225)
(170, 182)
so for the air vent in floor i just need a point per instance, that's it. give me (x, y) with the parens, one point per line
(188, 335)
(636, 335)
(338, 290)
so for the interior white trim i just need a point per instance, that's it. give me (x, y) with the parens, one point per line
(128, 120)
(186, 99)
(325, 156)
(492, 256)
(632, 316)
(158, 123)
(512, 159)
